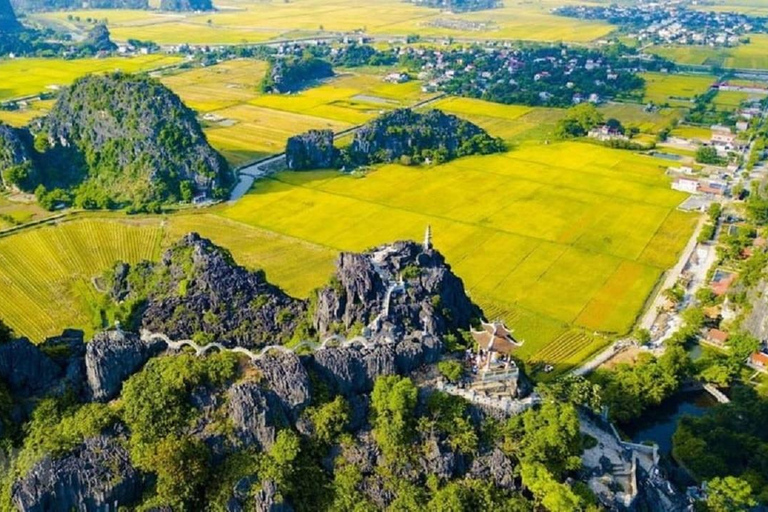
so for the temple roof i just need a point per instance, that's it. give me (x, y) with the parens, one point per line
(495, 337)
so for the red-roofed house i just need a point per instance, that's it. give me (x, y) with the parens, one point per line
(717, 337)
(759, 361)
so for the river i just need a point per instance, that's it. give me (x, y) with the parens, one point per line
(659, 424)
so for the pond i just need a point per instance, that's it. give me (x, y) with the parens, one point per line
(659, 424)
(666, 156)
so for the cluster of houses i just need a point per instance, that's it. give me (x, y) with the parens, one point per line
(672, 22)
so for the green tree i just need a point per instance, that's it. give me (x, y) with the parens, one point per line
(729, 494)
(330, 420)
(181, 466)
(550, 493)
(707, 155)
(549, 436)
(450, 369)
(393, 401)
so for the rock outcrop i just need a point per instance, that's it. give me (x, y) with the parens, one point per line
(198, 289)
(294, 72)
(26, 369)
(102, 130)
(417, 137)
(16, 155)
(98, 39)
(311, 150)
(95, 476)
(353, 370)
(284, 374)
(8, 21)
(113, 356)
(256, 414)
(394, 290)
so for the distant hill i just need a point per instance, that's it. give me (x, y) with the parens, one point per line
(54, 5)
(114, 140)
(460, 5)
(292, 73)
(409, 137)
(8, 21)
(186, 5)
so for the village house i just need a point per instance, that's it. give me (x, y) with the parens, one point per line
(605, 132)
(686, 185)
(759, 360)
(722, 282)
(716, 337)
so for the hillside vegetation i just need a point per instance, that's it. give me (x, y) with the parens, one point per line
(104, 144)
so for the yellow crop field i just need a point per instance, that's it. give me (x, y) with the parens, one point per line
(699, 133)
(215, 87)
(25, 114)
(730, 100)
(246, 132)
(631, 114)
(24, 77)
(753, 55)
(510, 122)
(541, 238)
(46, 273)
(677, 90)
(240, 21)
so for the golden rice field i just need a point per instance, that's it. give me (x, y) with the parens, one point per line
(510, 122)
(634, 115)
(676, 90)
(46, 273)
(692, 132)
(244, 124)
(24, 77)
(744, 56)
(568, 238)
(238, 21)
(730, 100)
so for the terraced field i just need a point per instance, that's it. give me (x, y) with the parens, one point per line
(574, 237)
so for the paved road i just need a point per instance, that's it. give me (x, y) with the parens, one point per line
(263, 168)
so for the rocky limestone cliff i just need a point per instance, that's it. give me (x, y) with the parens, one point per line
(198, 289)
(394, 290)
(418, 137)
(8, 21)
(256, 414)
(95, 476)
(132, 138)
(113, 356)
(311, 150)
(15, 150)
(98, 39)
(26, 369)
(284, 374)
